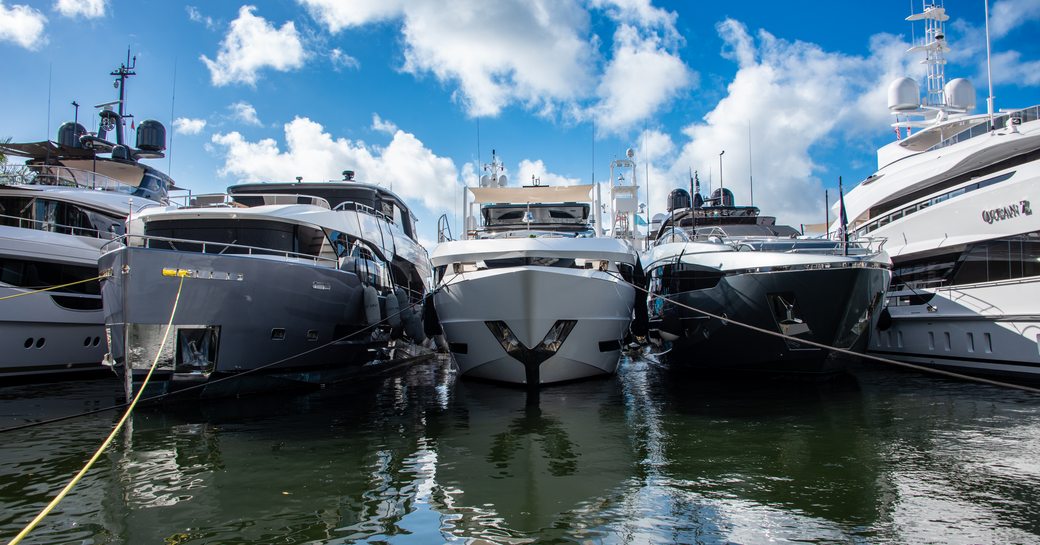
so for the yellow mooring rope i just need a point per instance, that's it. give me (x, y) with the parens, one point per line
(119, 425)
(59, 286)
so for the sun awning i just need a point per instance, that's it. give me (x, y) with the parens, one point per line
(532, 194)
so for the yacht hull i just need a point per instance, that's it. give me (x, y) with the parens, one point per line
(54, 334)
(834, 307)
(269, 323)
(531, 301)
(984, 329)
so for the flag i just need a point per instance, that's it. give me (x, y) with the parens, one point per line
(843, 219)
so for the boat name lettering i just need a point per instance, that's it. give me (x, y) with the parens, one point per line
(1022, 208)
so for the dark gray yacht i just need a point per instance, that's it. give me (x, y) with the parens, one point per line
(283, 284)
(57, 208)
(741, 267)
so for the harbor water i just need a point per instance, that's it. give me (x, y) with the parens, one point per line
(649, 456)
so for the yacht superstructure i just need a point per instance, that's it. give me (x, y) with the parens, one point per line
(284, 283)
(532, 296)
(56, 211)
(740, 267)
(952, 196)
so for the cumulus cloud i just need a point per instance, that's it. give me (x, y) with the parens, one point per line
(797, 98)
(530, 171)
(244, 112)
(641, 77)
(405, 164)
(22, 25)
(539, 55)
(1008, 67)
(88, 9)
(187, 125)
(252, 44)
(1007, 15)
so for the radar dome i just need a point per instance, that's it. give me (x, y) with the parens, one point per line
(904, 95)
(722, 197)
(151, 136)
(960, 94)
(69, 133)
(678, 198)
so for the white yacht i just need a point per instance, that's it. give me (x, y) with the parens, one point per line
(285, 284)
(56, 211)
(741, 267)
(531, 296)
(952, 196)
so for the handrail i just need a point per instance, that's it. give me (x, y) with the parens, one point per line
(359, 207)
(443, 229)
(41, 225)
(207, 200)
(250, 250)
(63, 176)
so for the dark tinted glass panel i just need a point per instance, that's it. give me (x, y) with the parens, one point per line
(43, 274)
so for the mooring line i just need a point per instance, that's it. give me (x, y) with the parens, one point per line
(40, 290)
(215, 381)
(108, 440)
(863, 355)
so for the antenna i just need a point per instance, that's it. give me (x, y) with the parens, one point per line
(751, 176)
(989, 70)
(173, 99)
(50, 69)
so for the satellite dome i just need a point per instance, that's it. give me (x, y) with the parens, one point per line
(69, 133)
(904, 95)
(678, 198)
(722, 197)
(151, 136)
(960, 94)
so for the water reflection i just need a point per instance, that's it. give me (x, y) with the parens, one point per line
(647, 457)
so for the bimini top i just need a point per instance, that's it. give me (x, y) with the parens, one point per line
(532, 194)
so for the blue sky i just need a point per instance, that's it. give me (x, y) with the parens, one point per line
(397, 90)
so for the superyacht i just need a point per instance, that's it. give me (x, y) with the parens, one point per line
(741, 267)
(952, 196)
(284, 285)
(57, 209)
(531, 296)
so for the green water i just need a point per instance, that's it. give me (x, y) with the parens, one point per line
(646, 457)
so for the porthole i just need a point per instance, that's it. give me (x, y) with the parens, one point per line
(29, 342)
(86, 341)
(97, 341)
(40, 342)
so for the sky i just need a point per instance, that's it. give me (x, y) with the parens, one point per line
(414, 94)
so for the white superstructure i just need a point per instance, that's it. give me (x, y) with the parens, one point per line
(953, 197)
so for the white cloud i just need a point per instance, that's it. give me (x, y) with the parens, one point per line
(244, 112)
(196, 16)
(187, 125)
(641, 77)
(252, 44)
(1008, 67)
(1007, 15)
(497, 53)
(797, 98)
(529, 171)
(405, 164)
(378, 124)
(88, 9)
(22, 25)
(342, 60)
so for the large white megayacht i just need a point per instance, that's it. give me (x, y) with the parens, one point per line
(286, 283)
(954, 200)
(531, 296)
(56, 211)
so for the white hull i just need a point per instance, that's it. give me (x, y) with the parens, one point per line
(39, 336)
(989, 328)
(530, 300)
